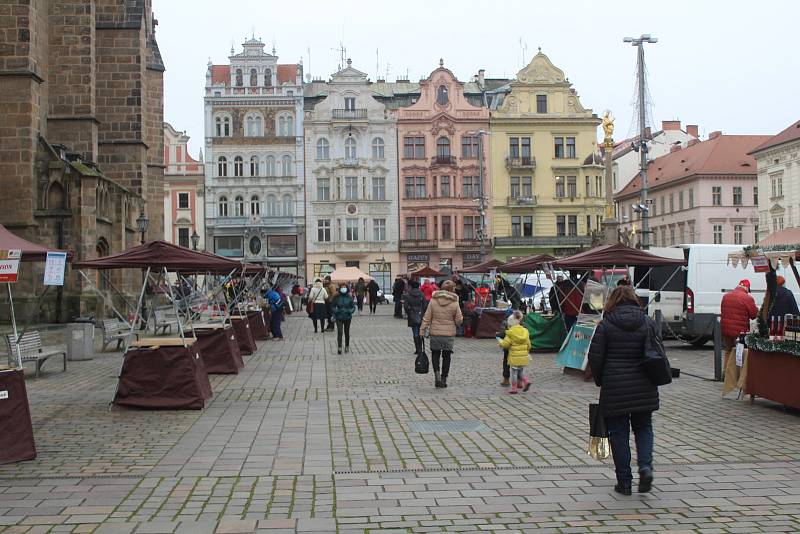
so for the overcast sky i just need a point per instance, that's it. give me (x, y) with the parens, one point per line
(725, 65)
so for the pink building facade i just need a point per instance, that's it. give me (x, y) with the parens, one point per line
(439, 170)
(184, 221)
(704, 193)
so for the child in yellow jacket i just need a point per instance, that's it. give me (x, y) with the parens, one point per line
(518, 343)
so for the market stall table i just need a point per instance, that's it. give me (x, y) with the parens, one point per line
(244, 334)
(16, 438)
(774, 376)
(258, 325)
(163, 373)
(547, 331)
(218, 347)
(488, 322)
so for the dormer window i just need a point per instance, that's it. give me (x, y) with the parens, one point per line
(442, 97)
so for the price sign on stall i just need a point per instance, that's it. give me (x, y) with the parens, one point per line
(760, 264)
(9, 265)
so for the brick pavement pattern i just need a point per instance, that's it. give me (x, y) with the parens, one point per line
(305, 440)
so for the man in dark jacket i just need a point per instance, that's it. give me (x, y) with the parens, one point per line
(784, 301)
(736, 311)
(372, 289)
(627, 397)
(397, 294)
(413, 303)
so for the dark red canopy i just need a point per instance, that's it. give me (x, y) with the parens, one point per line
(160, 254)
(425, 272)
(484, 267)
(30, 251)
(615, 255)
(528, 264)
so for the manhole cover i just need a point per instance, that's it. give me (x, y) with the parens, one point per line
(428, 427)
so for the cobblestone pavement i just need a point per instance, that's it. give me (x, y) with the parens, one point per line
(305, 440)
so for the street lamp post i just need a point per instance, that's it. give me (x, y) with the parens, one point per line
(639, 42)
(141, 224)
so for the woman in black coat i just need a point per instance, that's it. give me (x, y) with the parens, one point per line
(414, 304)
(627, 397)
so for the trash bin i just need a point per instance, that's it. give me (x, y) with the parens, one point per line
(80, 339)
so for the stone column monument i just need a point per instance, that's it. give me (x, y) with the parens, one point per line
(610, 224)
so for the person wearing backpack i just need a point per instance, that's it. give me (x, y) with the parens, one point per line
(343, 307)
(317, 298)
(517, 341)
(628, 398)
(276, 305)
(413, 304)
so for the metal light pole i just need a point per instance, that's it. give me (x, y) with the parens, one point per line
(639, 44)
(141, 224)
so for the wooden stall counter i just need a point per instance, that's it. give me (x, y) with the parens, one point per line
(774, 376)
(163, 342)
(16, 429)
(218, 348)
(244, 334)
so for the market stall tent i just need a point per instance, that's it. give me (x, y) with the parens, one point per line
(349, 274)
(426, 272)
(617, 255)
(484, 267)
(528, 264)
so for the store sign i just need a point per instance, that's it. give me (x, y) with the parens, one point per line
(472, 256)
(760, 264)
(9, 265)
(418, 257)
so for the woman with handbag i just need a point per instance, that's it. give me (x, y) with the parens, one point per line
(628, 398)
(440, 321)
(316, 304)
(413, 304)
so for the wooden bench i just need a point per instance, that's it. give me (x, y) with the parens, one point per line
(31, 350)
(164, 317)
(115, 330)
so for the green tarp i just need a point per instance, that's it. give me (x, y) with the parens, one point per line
(546, 333)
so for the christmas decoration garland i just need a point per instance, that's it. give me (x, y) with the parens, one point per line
(754, 341)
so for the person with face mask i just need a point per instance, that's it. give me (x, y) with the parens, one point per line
(343, 307)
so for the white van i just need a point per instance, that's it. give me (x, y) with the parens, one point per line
(708, 277)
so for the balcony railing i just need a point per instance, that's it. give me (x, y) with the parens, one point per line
(543, 241)
(471, 243)
(443, 160)
(360, 113)
(418, 244)
(260, 220)
(524, 162)
(518, 200)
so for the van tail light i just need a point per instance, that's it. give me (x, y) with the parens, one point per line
(689, 300)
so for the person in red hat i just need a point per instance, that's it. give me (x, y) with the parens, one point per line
(737, 309)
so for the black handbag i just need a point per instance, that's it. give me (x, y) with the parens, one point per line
(656, 364)
(421, 364)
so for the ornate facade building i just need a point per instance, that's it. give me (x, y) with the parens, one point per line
(184, 220)
(254, 197)
(440, 175)
(547, 179)
(81, 93)
(351, 162)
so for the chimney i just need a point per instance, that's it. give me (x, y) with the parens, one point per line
(714, 135)
(481, 76)
(670, 125)
(691, 129)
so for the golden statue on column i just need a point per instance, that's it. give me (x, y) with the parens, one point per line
(608, 125)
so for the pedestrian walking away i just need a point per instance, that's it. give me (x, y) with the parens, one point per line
(343, 307)
(413, 305)
(318, 296)
(440, 322)
(330, 289)
(397, 295)
(373, 289)
(276, 305)
(361, 291)
(736, 311)
(627, 397)
(516, 342)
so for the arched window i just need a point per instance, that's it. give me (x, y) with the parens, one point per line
(238, 166)
(323, 149)
(226, 127)
(377, 148)
(268, 77)
(286, 166)
(441, 95)
(239, 81)
(222, 207)
(218, 124)
(270, 166)
(288, 206)
(222, 166)
(56, 199)
(281, 126)
(350, 148)
(272, 206)
(255, 205)
(289, 126)
(253, 166)
(443, 147)
(238, 206)
(253, 77)
(253, 126)
(102, 250)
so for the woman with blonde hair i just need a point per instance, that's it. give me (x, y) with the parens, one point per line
(440, 321)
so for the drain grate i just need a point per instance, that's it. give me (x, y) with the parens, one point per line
(387, 381)
(439, 427)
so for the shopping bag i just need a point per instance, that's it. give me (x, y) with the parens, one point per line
(421, 363)
(599, 447)
(656, 364)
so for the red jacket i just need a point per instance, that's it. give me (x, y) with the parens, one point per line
(737, 308)
(428, 289)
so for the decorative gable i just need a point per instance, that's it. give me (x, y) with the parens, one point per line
(541, 71)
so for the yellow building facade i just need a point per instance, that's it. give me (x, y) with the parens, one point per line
(547, 190)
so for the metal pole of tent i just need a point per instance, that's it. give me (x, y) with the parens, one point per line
(128, 338)
(186, 302)
(107, 301)
(174, 306)
(14, 326)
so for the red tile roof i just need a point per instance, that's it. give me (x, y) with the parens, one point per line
(789, 134)
(287, 73)
(725, 154)
(221, 74)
